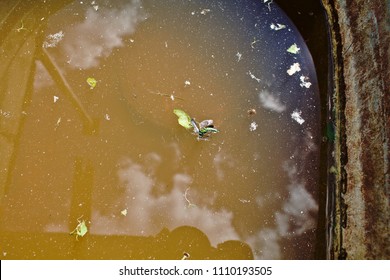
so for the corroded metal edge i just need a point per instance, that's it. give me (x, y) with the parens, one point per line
(358, 200)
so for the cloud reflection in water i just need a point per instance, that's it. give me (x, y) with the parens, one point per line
(148, 213)
(81, 44)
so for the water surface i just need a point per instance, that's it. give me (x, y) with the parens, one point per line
(115, 156)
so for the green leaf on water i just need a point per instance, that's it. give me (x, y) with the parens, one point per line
(81, 229)
(91, 82)
(293, 49)
(183, 118)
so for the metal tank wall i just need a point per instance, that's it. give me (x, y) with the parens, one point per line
(359, 108)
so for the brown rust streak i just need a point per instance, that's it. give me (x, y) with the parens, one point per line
(367, 70)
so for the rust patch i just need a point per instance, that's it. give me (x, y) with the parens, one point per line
(365, 61)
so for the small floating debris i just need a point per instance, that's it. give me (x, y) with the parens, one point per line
(187, 83)
(5, 114)
(91, 82)
(80, 230)
(294, 68)
(55, 98)
(277, 26)
(269, 3)
(107, 117)
(94, 5)
(253, 77)
(251, 112)
(293, 49)
(190, 204)
(185, 256)
(202, 130)
(124, 212)
(296, 115)
(305, 82)
(253, 43)
(57, 123)
(253, 126)
(239, 56)
(205, 11)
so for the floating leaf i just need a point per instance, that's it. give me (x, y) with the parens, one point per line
(91, 82)
(293, 49)
(124, 212)
(183, 118)
(81, 229)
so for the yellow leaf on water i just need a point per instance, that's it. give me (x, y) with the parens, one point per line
(124, 212)
(91, 82)
(183, 118)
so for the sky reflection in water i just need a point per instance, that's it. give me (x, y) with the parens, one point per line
(255, 181)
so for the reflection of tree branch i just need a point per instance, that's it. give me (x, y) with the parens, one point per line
(57, 76)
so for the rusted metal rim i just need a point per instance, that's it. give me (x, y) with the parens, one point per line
(358, 209)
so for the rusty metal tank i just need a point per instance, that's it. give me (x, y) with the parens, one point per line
(355, 88)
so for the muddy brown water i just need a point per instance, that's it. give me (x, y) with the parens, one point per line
(115, 156)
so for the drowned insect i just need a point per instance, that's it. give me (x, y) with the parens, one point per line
(80, 230)
(202, 130)
(205, 127)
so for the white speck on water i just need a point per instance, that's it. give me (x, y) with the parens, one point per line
(94, 5)
(294, 68)
(253, 126)
(124, 212)
(304, 81)
(296, 115)
(239, 56)
(107, 117)
(253, 76)
(205, 11)
(269, 4)
(187, 83)
(58, 123)
(5, 114)
(277, 26)
(55, 98)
